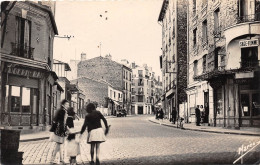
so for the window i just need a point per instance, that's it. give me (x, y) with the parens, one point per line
(204, 63)
(23, 40)
(15, 99)
(194, 37)
(140, 73)
(114, 94)
(204, 31)
(194, 7)
(216, 20)
(110, 93)
(249, 57)
(195, 68)
(219, 100)
(22, 99)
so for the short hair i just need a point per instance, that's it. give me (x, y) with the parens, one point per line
(64, 101)
(90, 107)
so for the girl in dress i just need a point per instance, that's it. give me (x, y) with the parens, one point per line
(59, 130)
(96, 134)
(73, 142)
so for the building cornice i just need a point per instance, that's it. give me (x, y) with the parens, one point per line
(24, 61)
(163, 10)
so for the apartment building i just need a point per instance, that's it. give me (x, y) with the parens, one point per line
(223, 60)
(173, 19)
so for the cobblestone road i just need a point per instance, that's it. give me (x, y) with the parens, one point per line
(134, 140)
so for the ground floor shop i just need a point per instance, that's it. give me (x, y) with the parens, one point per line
(141, 108)
(27, 98)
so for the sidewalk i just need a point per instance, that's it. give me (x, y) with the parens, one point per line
(210, 129)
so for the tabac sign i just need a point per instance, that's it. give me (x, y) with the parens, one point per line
(248, 43)
(24, 72)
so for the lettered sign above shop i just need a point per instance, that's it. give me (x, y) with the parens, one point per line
(24, 72)
(248, 43)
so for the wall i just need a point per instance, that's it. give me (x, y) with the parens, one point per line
(100, 68)
(93, 90)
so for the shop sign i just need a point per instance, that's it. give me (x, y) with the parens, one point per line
(245, 75)
(248, 43)
(24, 72)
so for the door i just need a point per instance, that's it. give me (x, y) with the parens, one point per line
(140, 110)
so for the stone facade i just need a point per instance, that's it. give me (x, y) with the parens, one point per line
(173, 18)
(217, 70)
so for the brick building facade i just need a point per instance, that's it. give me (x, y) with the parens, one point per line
(173, 18)
(104, 69)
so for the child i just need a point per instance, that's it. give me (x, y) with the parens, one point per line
(73, 146)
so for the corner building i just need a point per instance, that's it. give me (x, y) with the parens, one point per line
(27, 80)
(224, 61)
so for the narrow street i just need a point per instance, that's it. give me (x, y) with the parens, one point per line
(135, 140)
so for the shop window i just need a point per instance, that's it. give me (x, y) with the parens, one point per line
(21, 98)
(15, 99)
(26, 100)
(219, 108)
(245, 106)
(256, 104)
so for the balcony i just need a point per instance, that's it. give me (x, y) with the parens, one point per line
(21, 50)
(140, 75)
(249, 64)
(248, 18)
(133, 92)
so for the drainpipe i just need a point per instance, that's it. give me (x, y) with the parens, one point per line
(188, 57)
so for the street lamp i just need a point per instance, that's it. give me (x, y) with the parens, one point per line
(65, 36)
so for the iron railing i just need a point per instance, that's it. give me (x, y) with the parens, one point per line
(21, 50)
(249, 64)
(249, 18)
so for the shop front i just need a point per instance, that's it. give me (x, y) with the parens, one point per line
(24, 96)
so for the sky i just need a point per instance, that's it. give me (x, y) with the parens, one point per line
(131, 30)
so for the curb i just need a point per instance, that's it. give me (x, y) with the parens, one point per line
(222, 132)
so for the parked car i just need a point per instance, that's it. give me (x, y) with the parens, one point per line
(121, 112)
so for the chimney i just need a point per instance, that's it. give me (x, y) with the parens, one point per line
(83, 56)
(108, 56)
(133, 65)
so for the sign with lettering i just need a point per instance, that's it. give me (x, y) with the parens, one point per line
(248, 43)
(24, 72)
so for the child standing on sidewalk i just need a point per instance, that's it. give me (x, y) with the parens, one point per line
(73, 148)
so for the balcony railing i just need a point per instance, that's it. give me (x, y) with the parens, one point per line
(250, 64)
(140, 75)
(248, 18)
(140, 92)
(133, 92)
(22, 50)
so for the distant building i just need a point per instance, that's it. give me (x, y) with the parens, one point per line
(104, 69)
(143, 90)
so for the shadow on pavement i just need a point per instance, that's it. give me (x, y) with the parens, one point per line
(197, 158)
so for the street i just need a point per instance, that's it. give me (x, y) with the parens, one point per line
(135, 140)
